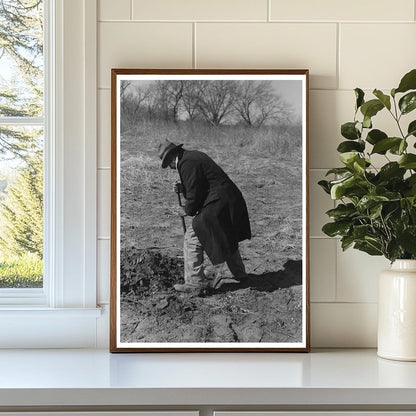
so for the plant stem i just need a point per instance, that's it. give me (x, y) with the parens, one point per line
(397, 118)
(388, 234)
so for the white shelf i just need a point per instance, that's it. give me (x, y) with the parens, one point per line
(56, 378)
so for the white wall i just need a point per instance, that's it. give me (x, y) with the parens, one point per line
(345, 44)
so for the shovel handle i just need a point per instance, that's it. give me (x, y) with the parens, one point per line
(179, 199)
(182, 218)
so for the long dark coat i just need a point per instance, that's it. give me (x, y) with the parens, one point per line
(219, 209)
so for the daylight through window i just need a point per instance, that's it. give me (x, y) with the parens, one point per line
(21, 143)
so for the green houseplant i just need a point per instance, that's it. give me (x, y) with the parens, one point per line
(376, 212)
(376, 209)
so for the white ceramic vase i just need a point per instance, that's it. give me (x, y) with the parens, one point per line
(397, 312)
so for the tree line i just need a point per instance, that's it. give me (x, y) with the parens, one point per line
(216, 102)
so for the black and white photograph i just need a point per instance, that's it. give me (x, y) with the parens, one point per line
(209, 241)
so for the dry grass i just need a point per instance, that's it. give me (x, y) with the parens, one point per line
(264, 163)
(283, 140)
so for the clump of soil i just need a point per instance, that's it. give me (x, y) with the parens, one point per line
(265, 308)
(145, 272)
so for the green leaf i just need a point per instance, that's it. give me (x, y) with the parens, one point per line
(359, 94)
(391, 170)
(349, 131)
(393, 92)
(408, 102)
(371, 108)
(385, 144)
(411, 180)
(361, 231)
(338, 190)
(375, 211)
(385, 99)
(368, 248)
(367, 122)
(411, 184)
(408, 82)
(407, 240)
(393, 250)
(336, 228)
(359, 165)
(398, 149)
(374, 242)
(391, 212)
(338, 171)
(408, 161)
(368, 201)
(342, 211)
(412, 202)
(413, 212)
(346, 242)
(402, 147)
(325, 186)
(342, 179)
(411, 130)
(375, 136)
(349, 158)
(349, 146)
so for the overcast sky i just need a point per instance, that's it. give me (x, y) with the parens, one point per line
(289, 90)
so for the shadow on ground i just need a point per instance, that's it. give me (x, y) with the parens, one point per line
(290, 275)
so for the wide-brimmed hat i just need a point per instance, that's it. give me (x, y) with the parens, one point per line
(165, 148)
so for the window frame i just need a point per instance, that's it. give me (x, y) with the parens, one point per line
(38, 296)
(67, 304)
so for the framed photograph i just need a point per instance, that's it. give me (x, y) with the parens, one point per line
(209, 212)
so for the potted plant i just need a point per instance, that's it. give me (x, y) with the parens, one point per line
(376, 209)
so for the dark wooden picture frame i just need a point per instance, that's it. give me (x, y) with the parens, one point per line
(269, 311)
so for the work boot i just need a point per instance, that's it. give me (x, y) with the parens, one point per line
(220, 280)
(191, 289)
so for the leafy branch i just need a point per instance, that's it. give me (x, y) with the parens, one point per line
(376, 211)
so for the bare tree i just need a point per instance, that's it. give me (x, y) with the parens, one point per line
(256, 103)
(123, 87)
(216, 101)
(192, 93)
(139, 96)
(151, 103)
(170, 97)
(133, 97)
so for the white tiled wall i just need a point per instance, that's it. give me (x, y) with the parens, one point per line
(345, 44)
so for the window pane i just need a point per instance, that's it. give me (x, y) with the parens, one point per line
(21, 147)
(21, 58)
(21, 207)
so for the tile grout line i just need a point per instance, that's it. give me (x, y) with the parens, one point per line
(179, 21)
(308, 22)
(338, 65)
(131, 9)
(194, 62)
(269, 11)
(336, 271)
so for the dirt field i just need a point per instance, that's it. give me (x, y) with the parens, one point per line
(266, 166)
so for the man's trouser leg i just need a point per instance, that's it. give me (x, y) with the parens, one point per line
(236, 265)
(193, 259)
